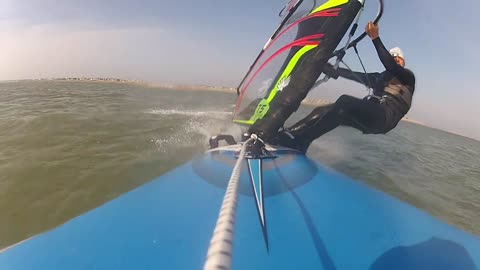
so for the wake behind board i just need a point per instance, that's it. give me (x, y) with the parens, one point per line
(301, 216)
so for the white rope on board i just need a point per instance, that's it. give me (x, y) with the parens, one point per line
(219, 255)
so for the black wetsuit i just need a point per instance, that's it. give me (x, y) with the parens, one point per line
(392, 90)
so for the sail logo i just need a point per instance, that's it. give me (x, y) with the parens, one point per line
(261, 109)
(283, 83)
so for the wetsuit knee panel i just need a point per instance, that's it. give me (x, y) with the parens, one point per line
(345, 100)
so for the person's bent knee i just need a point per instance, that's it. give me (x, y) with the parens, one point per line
(344, 99)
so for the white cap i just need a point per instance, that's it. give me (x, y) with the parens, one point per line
(397, 52)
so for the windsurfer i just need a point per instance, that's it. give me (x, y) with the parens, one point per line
(375, 114)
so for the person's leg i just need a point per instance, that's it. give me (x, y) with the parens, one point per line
(286, 137)
(347, 110)
(367, 116)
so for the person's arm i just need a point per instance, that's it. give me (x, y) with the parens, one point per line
(387, 60)
(367, 79)
(359, 77)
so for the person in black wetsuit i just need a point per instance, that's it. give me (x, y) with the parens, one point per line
(375, 114)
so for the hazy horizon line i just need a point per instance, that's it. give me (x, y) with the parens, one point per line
(184, 86)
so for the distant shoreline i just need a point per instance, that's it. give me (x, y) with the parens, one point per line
(137, 82)
(88, 79)
(193, 87)
(406, 119)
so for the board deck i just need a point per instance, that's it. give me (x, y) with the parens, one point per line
(314, 218)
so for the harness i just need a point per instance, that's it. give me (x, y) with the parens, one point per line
(395, 89)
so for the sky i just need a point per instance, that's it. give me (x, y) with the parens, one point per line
(214, 42)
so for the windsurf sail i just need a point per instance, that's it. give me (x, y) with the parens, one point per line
(292, 58)
(340, 53)
(286, 15)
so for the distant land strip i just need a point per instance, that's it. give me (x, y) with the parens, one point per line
(88, 79)
(194, 87)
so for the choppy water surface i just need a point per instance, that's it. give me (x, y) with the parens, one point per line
(67, 147)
